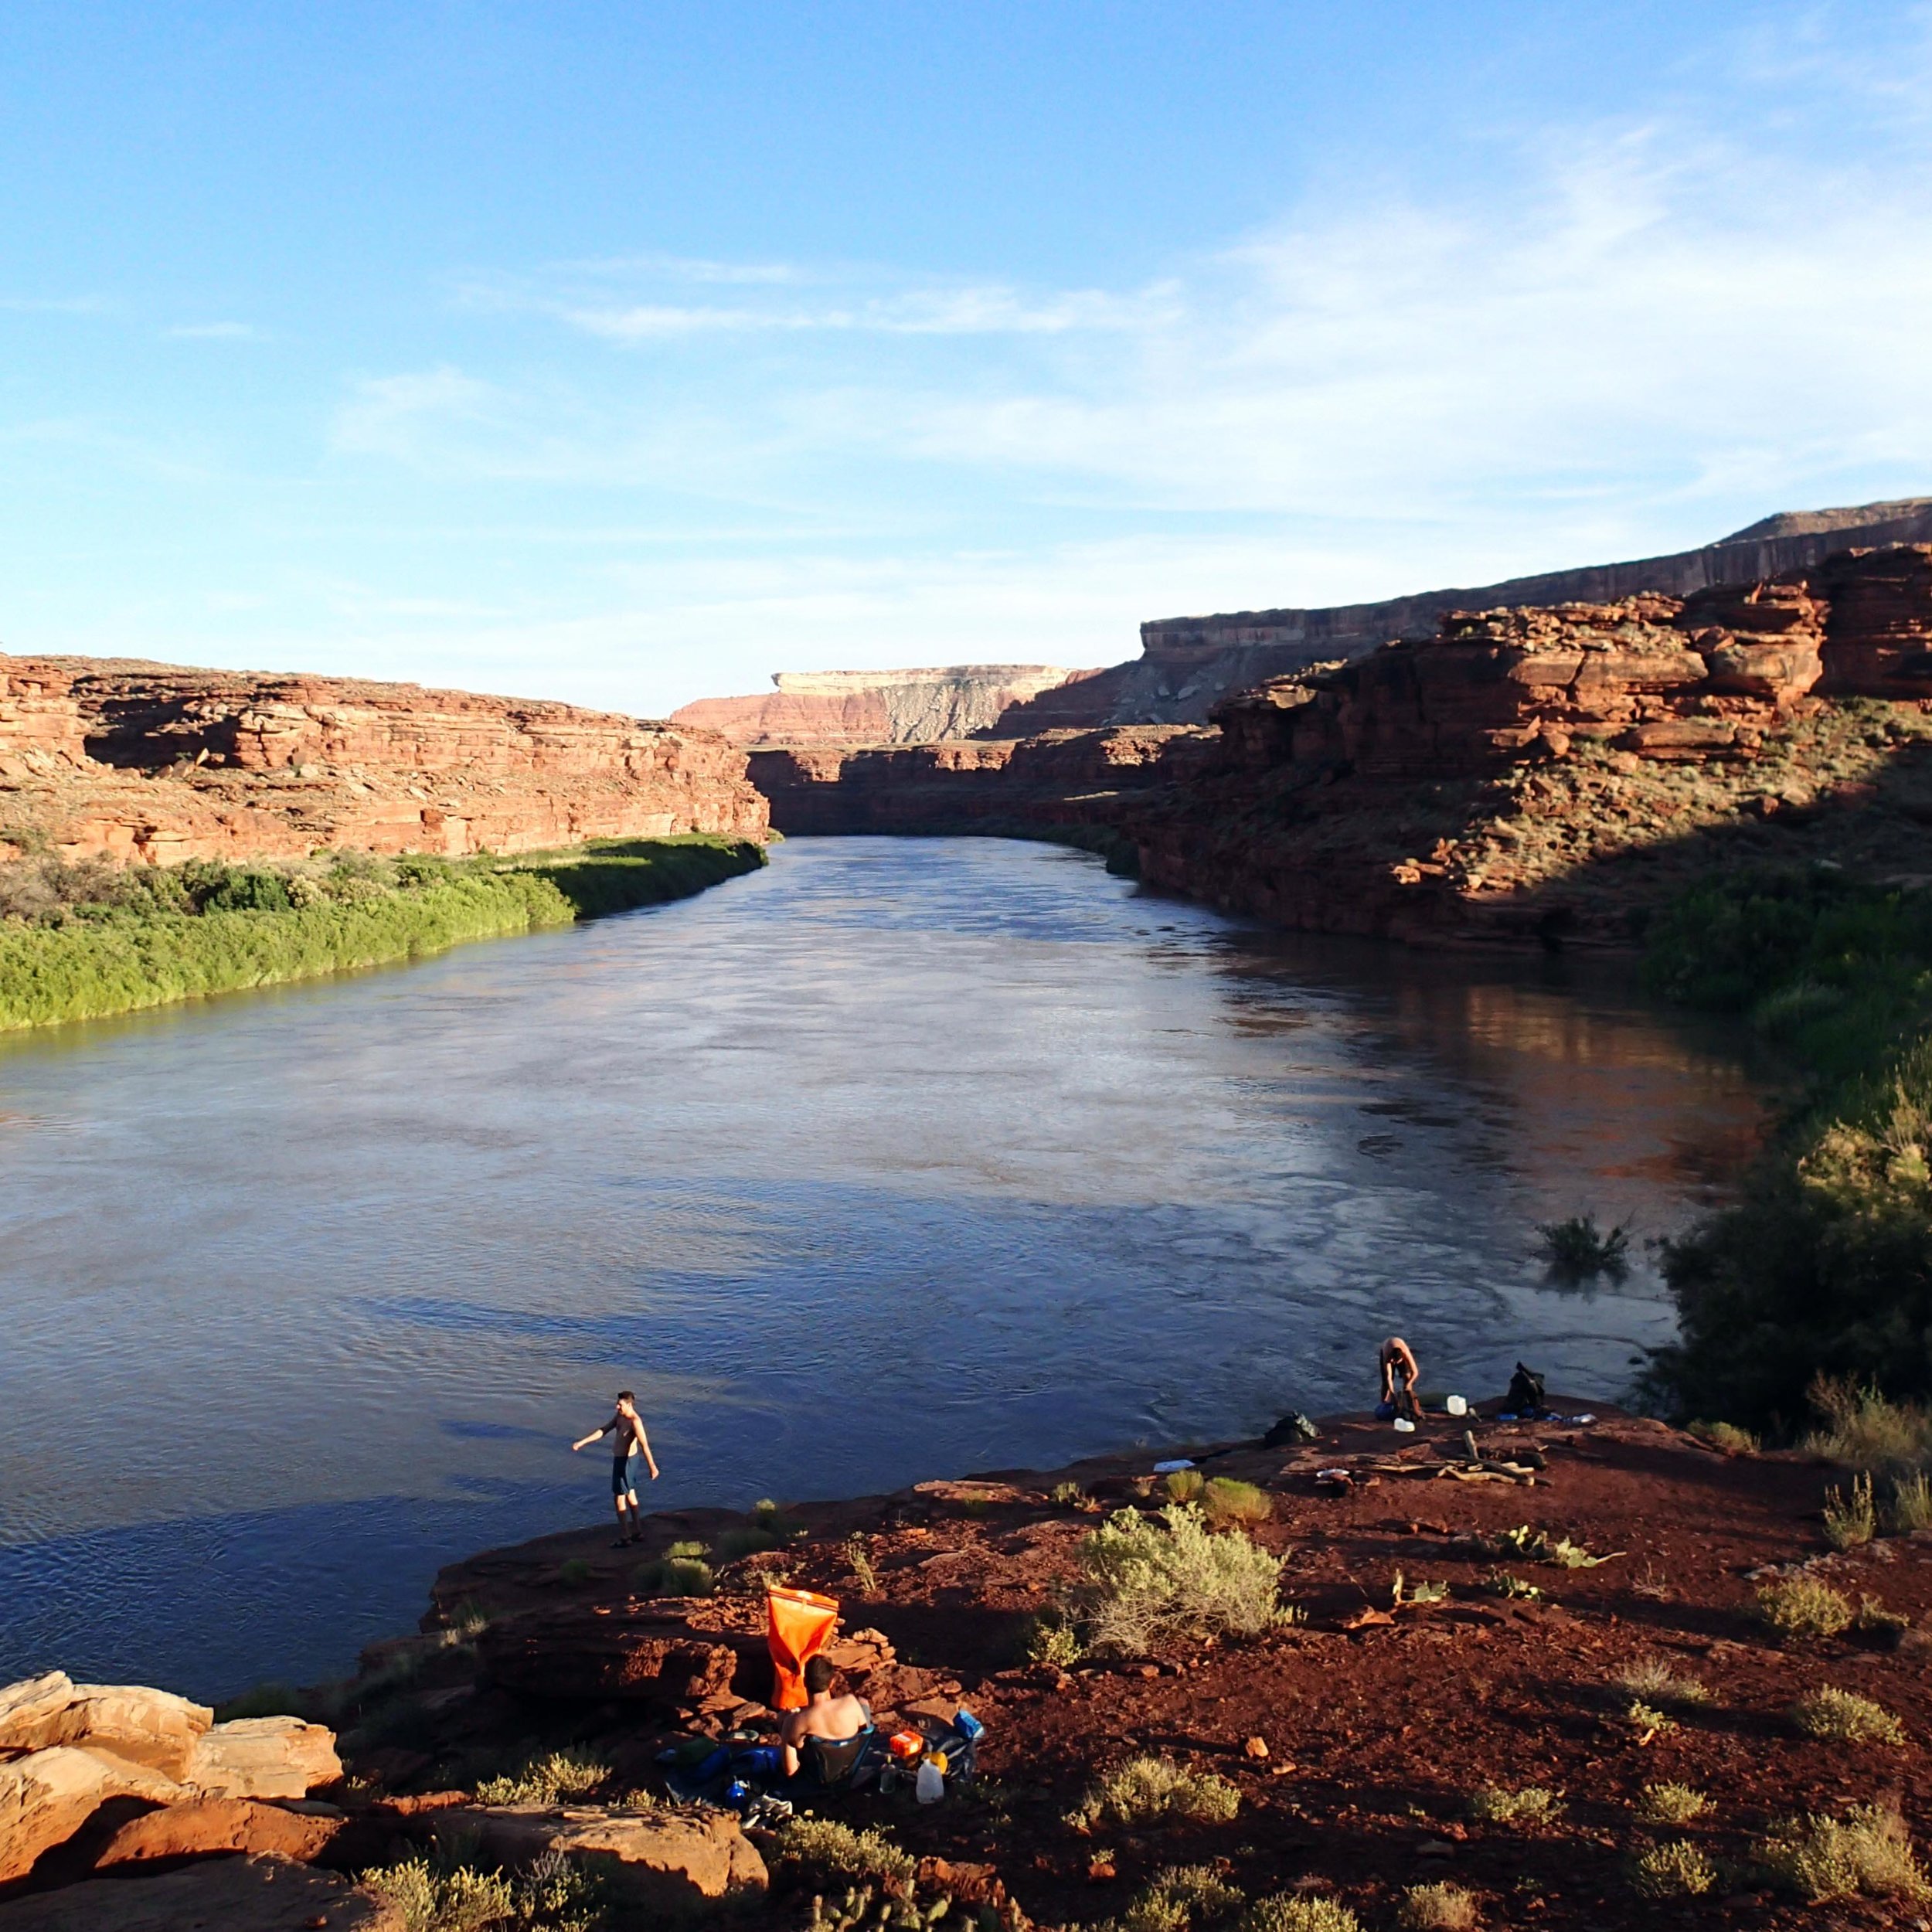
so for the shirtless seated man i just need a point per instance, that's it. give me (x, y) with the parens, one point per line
(833, 1719)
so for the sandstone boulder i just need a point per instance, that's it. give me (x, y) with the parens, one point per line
(263, 1757)
(150, 1727)
(204, 1827)
(661, 1860)
(26, 1706)
(46, 1796)
(223, 1895)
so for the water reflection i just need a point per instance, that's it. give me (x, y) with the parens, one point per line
(325, 1279)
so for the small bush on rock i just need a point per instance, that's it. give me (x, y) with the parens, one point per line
(1184, 1485)
(1801, 1606)
(1671, 1803)
(1867, 1853)
(544, 1781)
(1676, 1870)
(1441, 1907)
(1726, 1436)
(552, 1896)
(1232, 1504)
(1295, 1911)
(823, 1845)
(1145, 1584)
(1146, 1788)
(1183, 1898)
(1532, 1805)
(1842, 1717)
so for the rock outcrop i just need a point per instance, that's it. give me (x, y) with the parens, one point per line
(1188, 665)
(664, 1861)
(155, 763)
(265, 1894)
(67, 1749)
(1056, 780)
(851, 708)
(1546, 772)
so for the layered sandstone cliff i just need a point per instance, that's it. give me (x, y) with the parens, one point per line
(1188, 665)
(158, 762)
(1057, 780)
(1553, 772)
(875, 707)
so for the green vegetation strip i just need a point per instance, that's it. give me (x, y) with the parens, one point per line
(78, 942)
(1825, 1268)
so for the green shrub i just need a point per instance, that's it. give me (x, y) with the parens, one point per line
(822, 1845)
(1864, 1428)
(1052, 1640)
(1531, 1805)
(1184, 1485)
(1842, 1717)
(272, 1699)
(1671, 1803)
(547, 1780)
(1675, 1870)
(1801, 1607)
(1867, 1853)
(1652, 1679)
(1068, 1495)
(1296, 1912)
(1148, 1788)
(1144, 1583)
(676, 1576)
(858, 1561)
(1852, 1520)
(1181, 1897)
(1441, 1907)
(749, 1541)
(1236, 1505)
(1647, 1721)
(1577, 1250)
(573, 1570)
(1727, 1437)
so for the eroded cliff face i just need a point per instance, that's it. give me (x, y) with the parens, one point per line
(854, 707)
(1057, 779)
(1188, 665)
(159, 764)
(1551, 773)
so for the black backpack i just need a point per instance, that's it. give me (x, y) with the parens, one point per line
(1525, 1395)
(1293, 1428)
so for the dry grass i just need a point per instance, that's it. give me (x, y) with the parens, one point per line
(858, 1561)
(1236, 1505)
(1727, 1436)
(1441, 1907)
(1843, 1717)
(1671, 1803)
(1673, 1870)
(426, 1895)
(1867, 1853)
(1910, 1507)
(1864, 1429)
(1531, 1805)
(825, 1845)
(1183, 1898)
(1146, 1788)
(1184, 1485)
(1851, 1520)
(1801, 1607)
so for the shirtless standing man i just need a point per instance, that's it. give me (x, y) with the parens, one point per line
(834, 1718)
(1399, 1359)
(628, 1442)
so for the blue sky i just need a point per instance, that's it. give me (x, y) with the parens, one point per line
(628, 353)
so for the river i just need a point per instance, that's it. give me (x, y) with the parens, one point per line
(903, 1158)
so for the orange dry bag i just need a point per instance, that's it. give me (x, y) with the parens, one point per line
(798, 1623)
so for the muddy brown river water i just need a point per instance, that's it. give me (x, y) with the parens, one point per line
(903, 1158)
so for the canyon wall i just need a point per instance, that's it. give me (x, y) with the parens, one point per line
(1551, 773)
(875, 707)
(1188, 665)
(158, 763)
(1058, 780)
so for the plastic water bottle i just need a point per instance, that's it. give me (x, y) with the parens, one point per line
(930, 1787)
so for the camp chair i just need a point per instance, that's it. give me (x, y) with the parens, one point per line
(850, 1762)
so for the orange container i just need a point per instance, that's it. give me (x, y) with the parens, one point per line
(906, 1744)
(797, 1622)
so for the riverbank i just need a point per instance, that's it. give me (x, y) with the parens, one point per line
(89, 941)
(1553, 1691)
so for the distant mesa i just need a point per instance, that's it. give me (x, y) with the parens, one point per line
(837, 708)
(1188, 665)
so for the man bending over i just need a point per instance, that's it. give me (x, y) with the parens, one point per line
(832, 1718)
(1399, 1364)
(628, 1443)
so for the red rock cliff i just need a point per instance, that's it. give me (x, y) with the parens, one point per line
(158, 762)
(1552, 771)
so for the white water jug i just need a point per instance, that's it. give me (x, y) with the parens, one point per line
(930, 1787)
